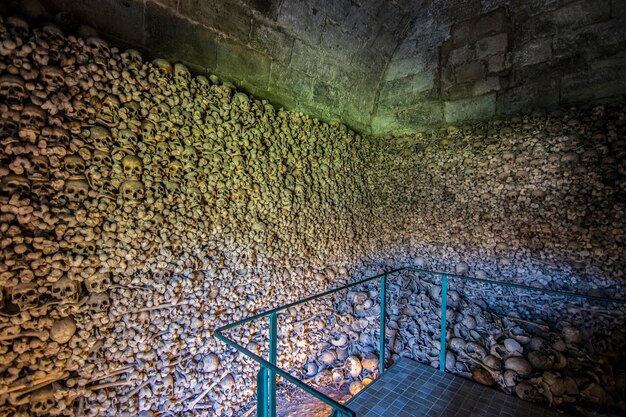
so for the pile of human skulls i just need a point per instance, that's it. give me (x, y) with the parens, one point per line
(141, 207)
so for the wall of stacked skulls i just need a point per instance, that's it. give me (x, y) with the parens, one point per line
(141, 207)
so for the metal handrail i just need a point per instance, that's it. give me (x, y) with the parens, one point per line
(266, 379)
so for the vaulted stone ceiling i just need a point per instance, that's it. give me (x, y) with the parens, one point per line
(380, 66)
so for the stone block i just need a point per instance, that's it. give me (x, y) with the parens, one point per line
(298, 18)
(596, 83)
(496, 63)
(469, 72)
(229, 18)
(243, 64)
(543, 93)
(415, 83)
(285, 80)
(606, 33)
(490, 23)
(492, 45)
(534, 52)
(409, 66)
(339, 43)
(525, 29)
(470, 109)
(272, 42)
(486, 85)
(168, 36)
(383, 123)
(371, 60)
(458, 91)
(426, 113)
(460, 55)
(320, 66)
(462, 33)
(582, 12)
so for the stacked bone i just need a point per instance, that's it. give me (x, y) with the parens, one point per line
(142, 207)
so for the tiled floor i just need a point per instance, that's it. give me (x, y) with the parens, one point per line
(411, 389)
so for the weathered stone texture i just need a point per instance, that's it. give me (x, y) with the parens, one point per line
(371, 61)
(508, 56)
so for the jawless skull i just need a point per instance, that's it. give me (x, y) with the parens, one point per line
(98, 303)
(101, 138)
(110, 111)
(66, 290)
(132, 191)
(132, 166)
(98, 282)
(25, 295)
(13, 91)
(75, 165)
(76, 191)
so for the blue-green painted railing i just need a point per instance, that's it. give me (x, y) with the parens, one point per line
(266, 378)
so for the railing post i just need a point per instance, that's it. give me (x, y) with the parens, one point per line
(261, 393)
(444, 308)
(271, 392)
(383, 315)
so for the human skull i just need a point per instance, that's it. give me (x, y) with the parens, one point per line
(101, 138)
(52, 77)
(66, 290)
(176, 170)
(182, 76)
(102, 159)
(32, 120)
(99, 48)
(148, 132)
(132, 109)
(18, 27)
(25, 295)
(132, 58)
(55, 137)
(42, 400)
(13, 91)
(98, 303)
(98, 282)
(132, 166)
(77, 190)
(80, 110)
(41, 188)
(14, 184)
(75, 165)
(109, 113)
(39, 167)
(164, 66)
(132, 190)
(52, 34)
(127, 139)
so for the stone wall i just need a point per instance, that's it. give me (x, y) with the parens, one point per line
(141, 207)
(476, 59)
(302, 54)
